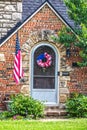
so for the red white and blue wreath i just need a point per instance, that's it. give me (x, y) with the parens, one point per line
(44, 60)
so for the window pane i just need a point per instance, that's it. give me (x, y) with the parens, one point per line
(44, 83)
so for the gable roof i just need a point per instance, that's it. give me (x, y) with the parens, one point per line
(21, 24)
(30, 6)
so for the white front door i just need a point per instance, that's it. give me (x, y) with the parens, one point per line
(45, 79)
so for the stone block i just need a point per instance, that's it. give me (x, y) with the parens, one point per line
(63, 98)
(2, 57)
(25, 89)
(63, 84)
(7, 2)
(29, 41)
(65, 78)
(0, 25)
(3, 30)
(3, 34)
(1, 18)
(2, 5)
(25, 64)
(62, 106)
(1, 9)
(9, 8)
(19, 6)
(6, 16)
(26, 57)
(5, 20)
(26, 74)
(16, 16)
(11, 25)
(26, 47)
(64, 91)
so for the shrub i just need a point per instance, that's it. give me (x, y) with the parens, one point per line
(76, 106)
(5, 115)
(26, 106)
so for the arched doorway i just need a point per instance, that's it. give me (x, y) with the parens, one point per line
(44, 86)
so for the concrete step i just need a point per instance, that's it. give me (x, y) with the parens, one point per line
(54, 111)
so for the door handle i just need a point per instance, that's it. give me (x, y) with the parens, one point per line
(58, 73)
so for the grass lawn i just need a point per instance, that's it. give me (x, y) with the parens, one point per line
(71, 124)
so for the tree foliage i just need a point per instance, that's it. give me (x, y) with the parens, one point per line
(77, 10)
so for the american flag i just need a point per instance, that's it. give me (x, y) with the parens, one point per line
(18, 72)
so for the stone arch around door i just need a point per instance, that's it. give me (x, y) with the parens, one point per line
(34, 40)
(45, 82)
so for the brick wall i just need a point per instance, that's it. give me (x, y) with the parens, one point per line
(10, 14)
(32, 33)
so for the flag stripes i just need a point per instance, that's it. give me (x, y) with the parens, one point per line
(18, 72)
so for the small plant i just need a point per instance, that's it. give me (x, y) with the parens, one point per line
(5, 115)
(17, 117)
(26, 106)
(76, 105)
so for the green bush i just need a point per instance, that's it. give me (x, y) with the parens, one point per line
(76, 106)
(26, 106)
(9, 115)
(5, 115)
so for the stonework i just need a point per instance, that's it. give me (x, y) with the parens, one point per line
(2, 57)
(36, 37)
(25, 90)
(63, 98)
(10, 14)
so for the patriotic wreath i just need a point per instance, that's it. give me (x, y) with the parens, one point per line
(44, 60)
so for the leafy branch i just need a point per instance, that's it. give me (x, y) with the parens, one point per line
(77, 10)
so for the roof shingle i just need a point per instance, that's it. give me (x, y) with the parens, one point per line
(30, 6)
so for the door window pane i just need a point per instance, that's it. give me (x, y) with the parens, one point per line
(44, 83)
